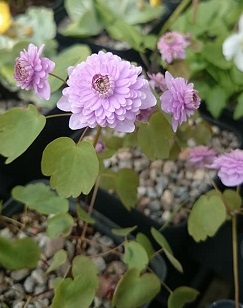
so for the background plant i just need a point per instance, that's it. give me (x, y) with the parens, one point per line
(219, 82)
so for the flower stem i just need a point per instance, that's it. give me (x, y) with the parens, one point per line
(179, 9)
(97, 136)
(83, 134)
(64, 81)
(235, 259)
(91, 206)
(58, 115)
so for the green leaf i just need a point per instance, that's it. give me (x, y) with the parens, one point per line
(84, 266)
(73, 168)
(145, 242)
(60, 224)
(212, 52)
(85, 22)
(206, 217)
(19, 127)
(156, 137)
(68, 57)
(181, 296)
(39, 197)
(126, 183)
(161, 240)
(135, 255)
(118, 28)
(20, 253)
(134, 290)
(58, 260)
(84, 215)
(216, 100)
(107, 179)
(177, 265)
(131, 12)
(81, 290)
(38, 20)
(232, 199)
(113, 142)
(78, 292)
(124, 231)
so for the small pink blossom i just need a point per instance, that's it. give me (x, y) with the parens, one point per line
(180, 100)
(230, 167)
(201, 156)
(157, 81)
(105, 90)
(100, 147)
(31, 71)
(172, 46)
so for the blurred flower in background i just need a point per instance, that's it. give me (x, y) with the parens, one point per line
(5, 17)
(233, 46)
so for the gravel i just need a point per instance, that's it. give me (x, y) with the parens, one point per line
(167, 187)
(34, 288)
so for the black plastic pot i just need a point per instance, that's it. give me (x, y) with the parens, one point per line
(103, 225)
(224, 303)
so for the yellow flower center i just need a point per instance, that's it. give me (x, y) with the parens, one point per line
(5, 17)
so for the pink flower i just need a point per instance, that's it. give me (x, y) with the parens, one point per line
(144, 114)
(157, 81)
(106, 91)
(31, 71)
(230, 167)
(180, 100)
(172, 46)
(100, 147)
(201, 156)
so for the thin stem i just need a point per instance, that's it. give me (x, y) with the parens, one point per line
(97, 136)
(172, 216)
(14, 222)
(83, 134)
(64, 81)
(235, 259)
(194, 13)
(91, 206)
(179, 9)
(108, 251)
(27, 301)
(165, 286)
(145, 60)
(58, 115)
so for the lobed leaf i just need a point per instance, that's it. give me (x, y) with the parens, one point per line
(60, 224)
(134, 290)
(39, 197)
(135, 255)
(181, 296)
(156, 137)
(20, 253)
(73, 167)
(19, 127)
(206, 217)
(58, 260)
(126, 183)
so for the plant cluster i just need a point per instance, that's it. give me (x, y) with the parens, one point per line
(109, 95)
